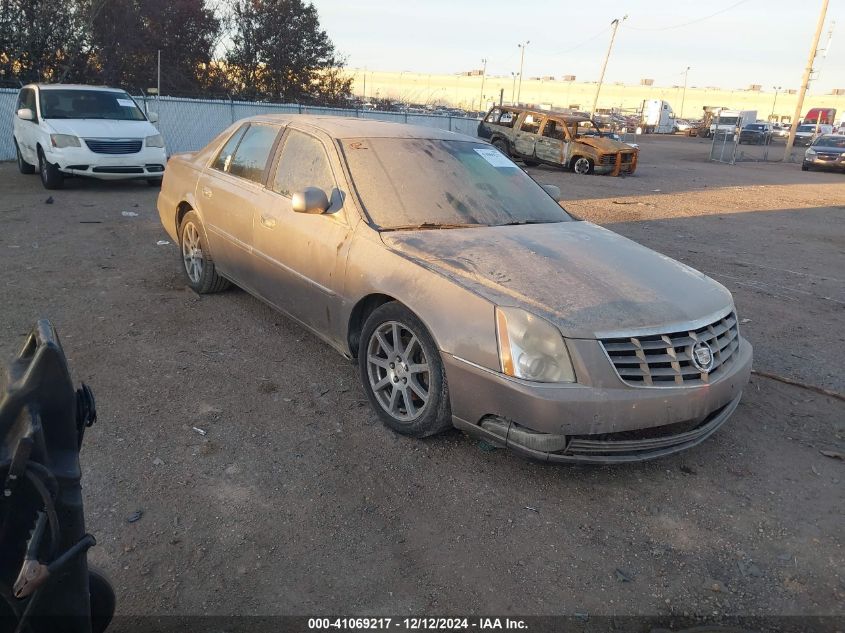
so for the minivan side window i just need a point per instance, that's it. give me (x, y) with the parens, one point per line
(250, 159)
(224, 158)
(26, 99)
(302, 163)
(531, 123)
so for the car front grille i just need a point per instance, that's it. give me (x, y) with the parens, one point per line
(610, 159)
(122, 146)
(665, 360)
(825, 156)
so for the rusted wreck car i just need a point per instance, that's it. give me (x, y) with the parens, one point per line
(571, 141)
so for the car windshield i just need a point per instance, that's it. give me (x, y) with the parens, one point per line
(831, 141)
(806, 128)
(407, 183)
(755, 127)
(728, 120)
(89, 104)
(584, 128)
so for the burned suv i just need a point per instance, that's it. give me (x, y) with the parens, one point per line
(572, 141)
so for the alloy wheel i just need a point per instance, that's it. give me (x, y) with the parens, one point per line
(582, 166)
(192, 252)
(398, 370)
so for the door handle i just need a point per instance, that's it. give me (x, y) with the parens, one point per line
(267, 221)
(206, 192)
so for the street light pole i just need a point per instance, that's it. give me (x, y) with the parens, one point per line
(521, 63)
(684, 94)
(615, 25)
(774, 103)
(483, 75)
(805, 82)
(513, 86)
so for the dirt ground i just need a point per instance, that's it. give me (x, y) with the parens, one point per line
(298, 501)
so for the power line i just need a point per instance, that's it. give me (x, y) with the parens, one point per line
(697, 20)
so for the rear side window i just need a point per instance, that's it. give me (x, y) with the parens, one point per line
(531, 123)
(224, 158)
(303, 163)
(250, 159)
(508, 118)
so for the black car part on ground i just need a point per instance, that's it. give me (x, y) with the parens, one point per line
(44, 577)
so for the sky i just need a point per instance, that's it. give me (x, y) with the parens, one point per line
(749, 42)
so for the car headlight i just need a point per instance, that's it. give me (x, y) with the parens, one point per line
(531, 348)
(810, 153)
(156, 140)
(64, 140)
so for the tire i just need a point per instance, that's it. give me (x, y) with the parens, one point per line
(530, 162)
(103, 601)
(386, 386)
(51, 177)
(200, 273)
(502, 145)
(23, 166)
(154, 182)
(582, 165)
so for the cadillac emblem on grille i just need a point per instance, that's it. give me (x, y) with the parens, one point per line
(702, 356)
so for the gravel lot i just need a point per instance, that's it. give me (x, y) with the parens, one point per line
(298, 501)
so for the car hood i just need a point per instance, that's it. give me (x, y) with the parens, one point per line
(604, 145)
(102, 128)
(589, 281)
(828, 150)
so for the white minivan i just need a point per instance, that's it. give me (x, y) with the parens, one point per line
(63, 129)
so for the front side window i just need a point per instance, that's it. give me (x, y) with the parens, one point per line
(26, 99)
(554, 129)
(80, 103)
(585, 128)
(250, 159)
(224, 158)
(303, 163)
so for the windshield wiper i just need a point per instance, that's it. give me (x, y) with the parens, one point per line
(432, 225)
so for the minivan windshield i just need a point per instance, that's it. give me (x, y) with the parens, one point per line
(80, 103)
(415, 183)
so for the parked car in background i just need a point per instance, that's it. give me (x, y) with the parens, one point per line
(756, 134)
(469, 297)
(572, 141)
(780, 130)
(826, 152)
(805, 134)
(72, 130)
(682, 125)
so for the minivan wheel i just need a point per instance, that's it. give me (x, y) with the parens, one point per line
(582, 166)
(200, 273)
(23, 166)
(402, 373)
(51, 177)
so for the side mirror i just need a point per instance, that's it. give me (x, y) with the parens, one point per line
(152, 117)
(26, 114)
(310, 200)
(553, 191)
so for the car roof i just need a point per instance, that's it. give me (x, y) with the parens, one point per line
(341, 127)
(566, 115)
(72, 87)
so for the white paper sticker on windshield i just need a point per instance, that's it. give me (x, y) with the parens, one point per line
(494, 157)
(126, 103)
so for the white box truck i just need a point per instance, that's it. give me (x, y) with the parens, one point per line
(728, 122)
(657, 117)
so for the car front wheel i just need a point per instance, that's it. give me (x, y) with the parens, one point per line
(200, 272)
(51, 177)
(23, 166)
(582, 166)
(402, 372)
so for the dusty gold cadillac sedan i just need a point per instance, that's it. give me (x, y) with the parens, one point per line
(467, 294)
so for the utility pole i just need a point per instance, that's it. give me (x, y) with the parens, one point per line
(805, 82)
(684, 94)
(521, 62)
(513, 86)
(615, 25)
(483, 75)
(774, 103)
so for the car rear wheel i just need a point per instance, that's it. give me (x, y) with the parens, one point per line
(23, 166)
(51, 177)
(196, 259)
(582, 166)
(501, 145)
(402, 372)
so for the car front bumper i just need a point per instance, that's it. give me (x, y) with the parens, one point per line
(607, 421)
(823, 163)
(149, 162)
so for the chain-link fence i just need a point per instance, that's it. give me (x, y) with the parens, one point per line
(735, 141)
(189, 124)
